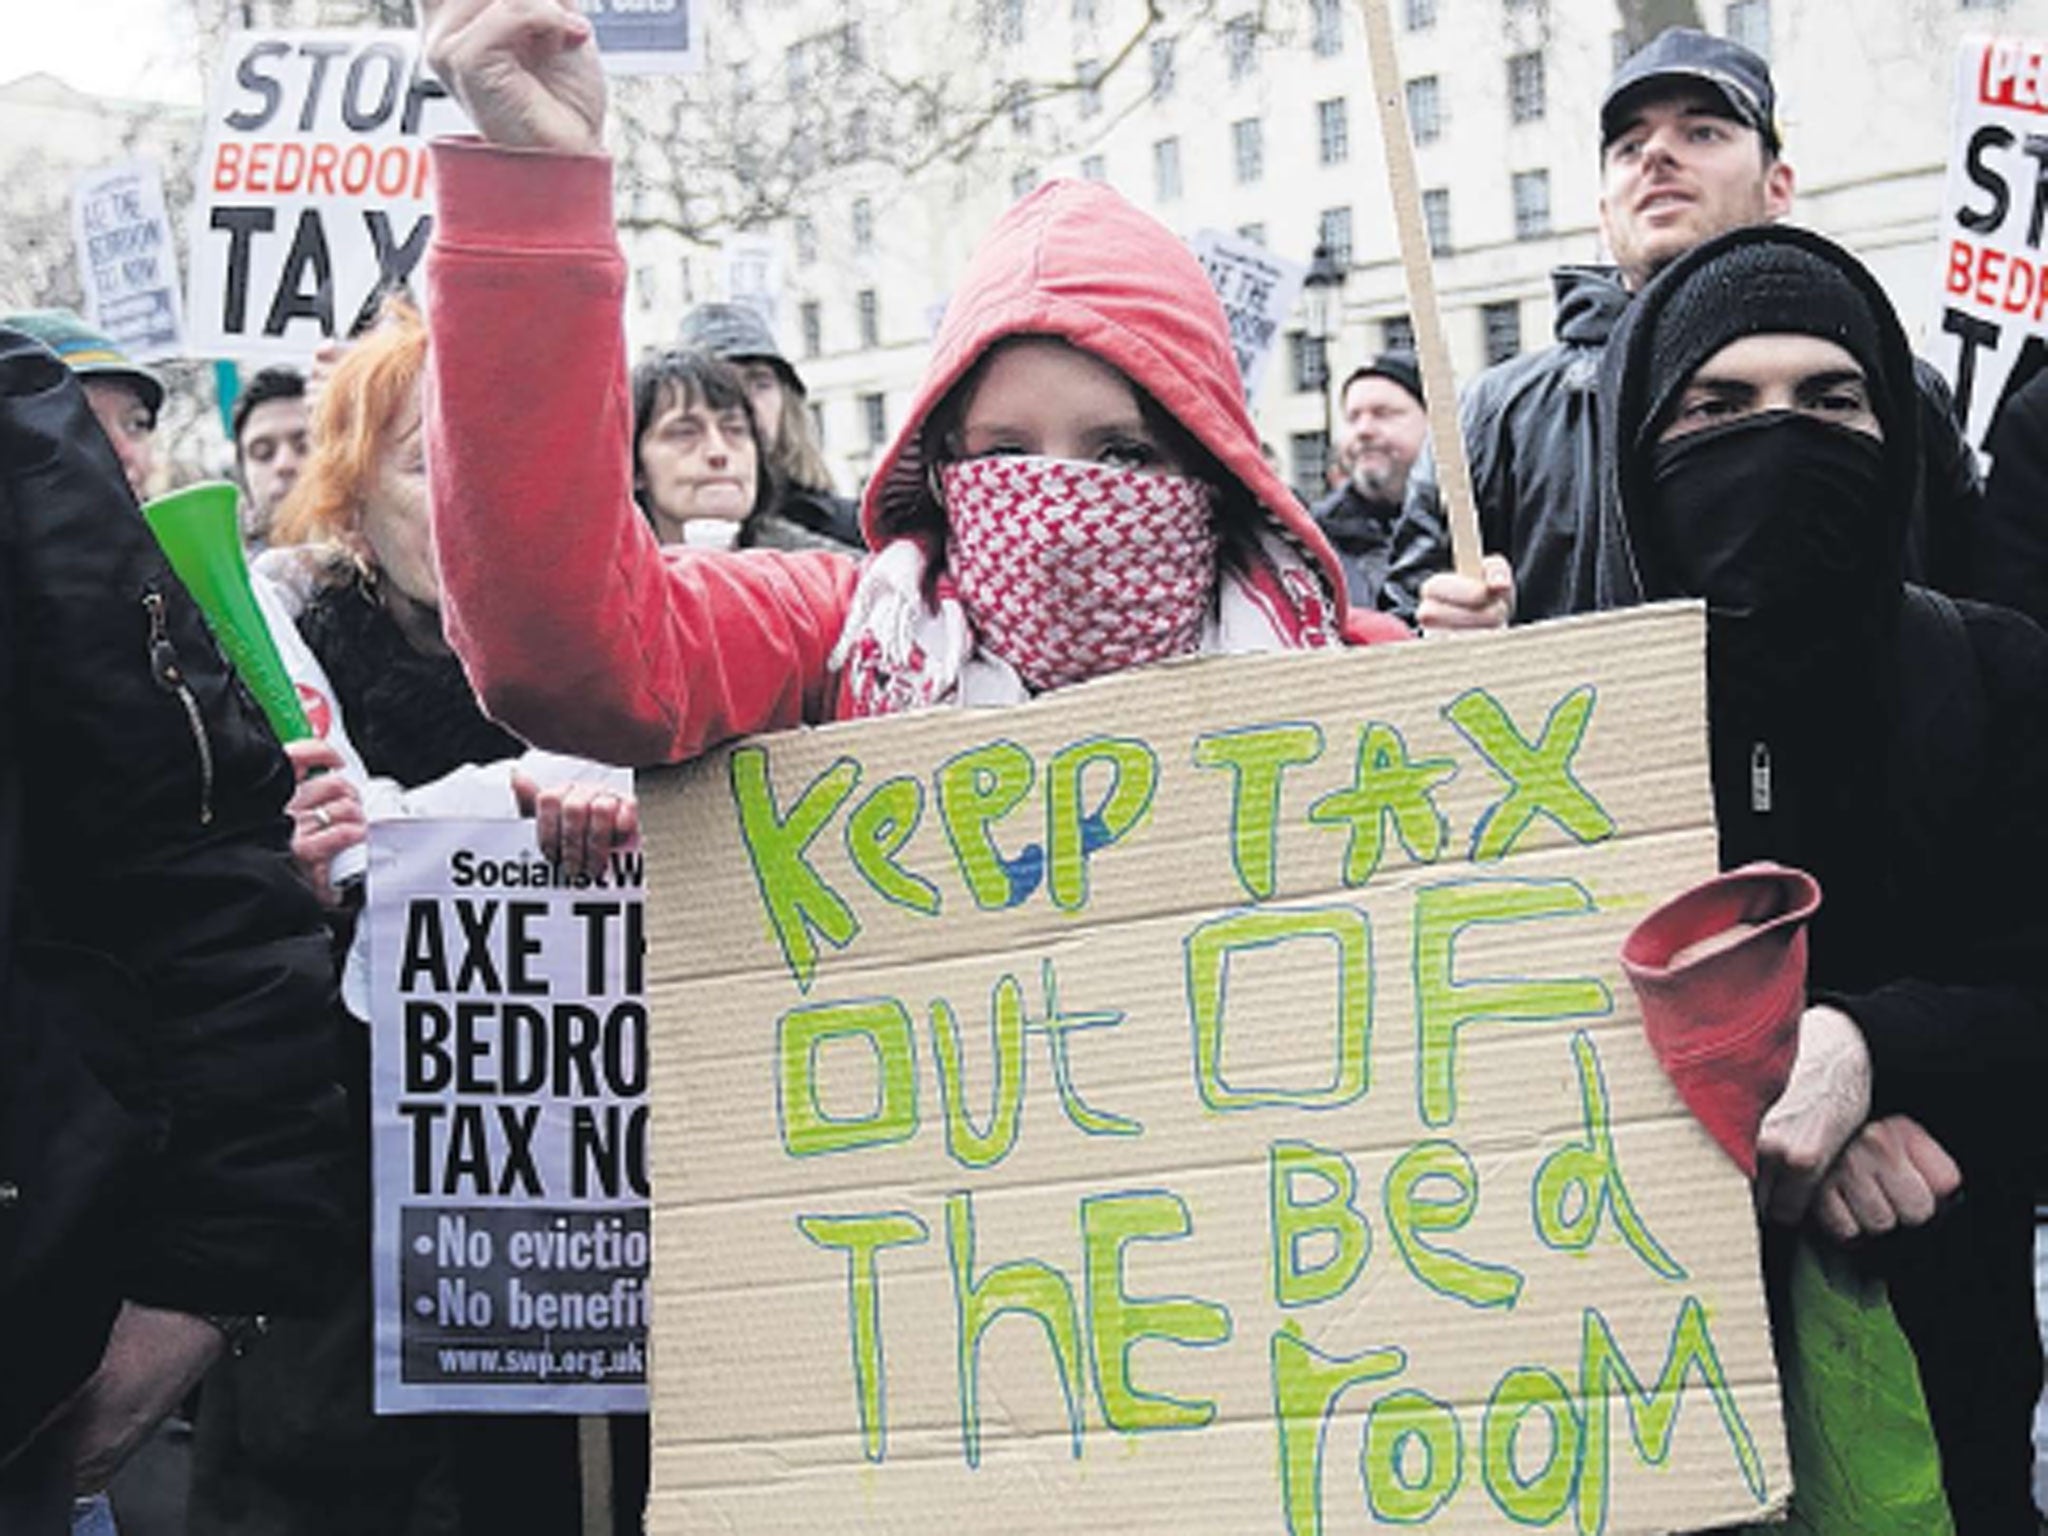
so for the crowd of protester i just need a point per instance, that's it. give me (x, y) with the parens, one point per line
(633, 564)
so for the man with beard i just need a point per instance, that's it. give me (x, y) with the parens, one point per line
(1689, 148)
(1384, 426)
(1760, 404)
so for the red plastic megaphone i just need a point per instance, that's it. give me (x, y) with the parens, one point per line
(1720, 971)
(196, 527)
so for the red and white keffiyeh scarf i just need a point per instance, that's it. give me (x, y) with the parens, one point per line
(1060, 571)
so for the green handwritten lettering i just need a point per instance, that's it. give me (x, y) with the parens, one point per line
(1256, 759)
(1387, 785)
(1445, 1004)
(861, 1238)
(799, 901)
(1119, 1322)
(1539, 774)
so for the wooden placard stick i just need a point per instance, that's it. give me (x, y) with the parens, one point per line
(1446, 441)
(594, 1462)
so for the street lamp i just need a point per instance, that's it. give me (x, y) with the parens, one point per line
(1322, 291)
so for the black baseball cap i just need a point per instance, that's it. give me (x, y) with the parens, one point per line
(1400, 367)
(1685, 56)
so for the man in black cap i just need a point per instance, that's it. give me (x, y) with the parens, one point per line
(1764, 423)
(1689, 149)
(1384, 426)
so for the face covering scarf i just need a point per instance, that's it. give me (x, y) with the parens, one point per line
(1777, 517)
(1070, 570)
(1075, 570)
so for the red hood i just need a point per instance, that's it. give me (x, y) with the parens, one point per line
(1076, 261)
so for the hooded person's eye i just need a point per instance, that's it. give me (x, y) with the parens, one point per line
(1130, 453)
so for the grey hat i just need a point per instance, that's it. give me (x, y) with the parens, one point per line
(737, 333)
(1682, 55)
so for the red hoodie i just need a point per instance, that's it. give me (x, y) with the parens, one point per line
(584, 635)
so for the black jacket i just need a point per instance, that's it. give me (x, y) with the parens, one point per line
(1532, 431)
(1904, 763)
(170, 1128)
(1362, 533)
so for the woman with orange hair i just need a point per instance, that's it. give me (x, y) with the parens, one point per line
(287, 1445)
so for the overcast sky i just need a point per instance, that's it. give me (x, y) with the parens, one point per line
(105, 47)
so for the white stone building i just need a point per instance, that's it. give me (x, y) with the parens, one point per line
(1269, 126)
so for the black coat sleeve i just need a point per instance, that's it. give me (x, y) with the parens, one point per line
(1420, 545)
(1943, 545)
(153, 832)
(2011, 557)
(1962, 1043)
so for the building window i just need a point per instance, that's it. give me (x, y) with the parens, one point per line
(1256, 233)
(863, 225)
(1525, 87)
(1010, 21)
(1502, 327)
(644, 285)
(858, 141)
(1248, 150)
(1397, 334)
(1749, 23)
(1618, 49)
(1436, 220)
(1420, 15)
(1328, 19)
(1425, 110)
(1166, 170)
(1084, 13)
(1333, 132)
(1092, 168)
(812, 319)
(1308, 362)
(1333, 232)
(1162, 68)
(870, 318)
(1024, 183)
(1309, 453)
(1532, 204)
(1241, 47)
(817, 409)
(1089, 73)
(874, 410)
(1017, 99)
(806, 242)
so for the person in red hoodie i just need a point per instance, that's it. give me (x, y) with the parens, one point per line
(1077, 487)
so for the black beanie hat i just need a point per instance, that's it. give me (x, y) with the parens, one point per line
(1759, 280)
(1397, 367)
(1757, 288)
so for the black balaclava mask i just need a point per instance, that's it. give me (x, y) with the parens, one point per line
(1789, 527)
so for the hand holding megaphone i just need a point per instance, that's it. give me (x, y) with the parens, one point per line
(199, 535)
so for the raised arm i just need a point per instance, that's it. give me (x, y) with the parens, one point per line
(579, 632)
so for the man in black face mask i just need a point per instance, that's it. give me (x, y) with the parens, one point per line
(1759, 400)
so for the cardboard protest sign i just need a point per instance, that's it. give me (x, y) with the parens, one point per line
(1258, 290)
(312, 193)
(126, 261)
(1206, 1100)
(509, 1124)
(1993, 304)
(646, 37)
